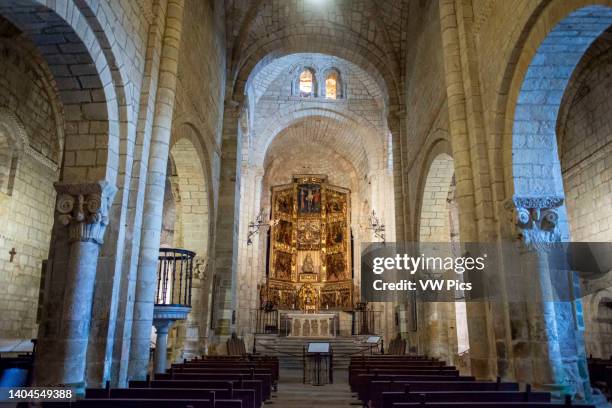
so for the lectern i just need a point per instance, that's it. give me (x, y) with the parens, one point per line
(318, 364)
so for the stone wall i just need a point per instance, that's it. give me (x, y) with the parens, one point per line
(426, 108)
(28, 108)
(27, 218)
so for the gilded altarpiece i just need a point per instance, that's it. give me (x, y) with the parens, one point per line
(310, 259)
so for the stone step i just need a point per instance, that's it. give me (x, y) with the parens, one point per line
(289, 349)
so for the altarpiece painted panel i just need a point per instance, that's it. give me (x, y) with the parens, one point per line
(310, 266)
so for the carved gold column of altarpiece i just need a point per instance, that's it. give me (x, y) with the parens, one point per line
(310, 260)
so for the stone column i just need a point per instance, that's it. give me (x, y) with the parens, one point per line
(227, 240)
(536, 341)
(249, 255)
(162, 327)
(154, 194)
(81, 217)
(470, 176)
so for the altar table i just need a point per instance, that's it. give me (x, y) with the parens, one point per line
(312, 324)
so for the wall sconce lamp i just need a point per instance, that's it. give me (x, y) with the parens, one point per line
(377, 226)
(260, 222)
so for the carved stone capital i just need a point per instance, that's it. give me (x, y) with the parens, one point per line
(536, 219)
(83, 208)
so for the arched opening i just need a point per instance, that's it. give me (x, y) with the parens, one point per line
(585, 144)
(537, 183)
(40, 30)
(604, 319)
(30, 141)
(9, 155)
(186, 225)
(306, 83)
(333, 85)
(283, 136)
(445, 331)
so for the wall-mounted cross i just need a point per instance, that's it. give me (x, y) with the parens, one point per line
(12, 253)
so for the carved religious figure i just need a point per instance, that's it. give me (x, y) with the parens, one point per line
(309, 234)
(200, 267)
(284, 204)
(335, 267)
(335, 233)
(308, 298)
(309, 196)
(282, 266)
(335, 206)
(308, 265)
(284, 233)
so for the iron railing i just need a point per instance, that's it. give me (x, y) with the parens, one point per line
(174, 276)
(366, 322)
(264, 321)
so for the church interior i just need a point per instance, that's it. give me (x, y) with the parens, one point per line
(187, 186)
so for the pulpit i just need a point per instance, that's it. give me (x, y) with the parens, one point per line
(322, 325)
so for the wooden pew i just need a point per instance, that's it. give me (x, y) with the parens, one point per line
(263, 382)
(486, 405)
(225, 369)
(252, 394)
(221, 396)
(148, 403)
(357, 377)
(375, 389)
(216, 364)
(390, 398)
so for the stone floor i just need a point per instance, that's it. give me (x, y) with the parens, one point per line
(293, 394)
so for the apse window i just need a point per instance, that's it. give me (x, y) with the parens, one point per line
(331, 86)
(306, 83)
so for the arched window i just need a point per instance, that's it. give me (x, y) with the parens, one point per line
(8, 163)
(307, 83)
(333, 87)
(12, 142)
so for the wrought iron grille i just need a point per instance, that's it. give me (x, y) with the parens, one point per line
(366, 322)
(264, 321)
(174, 276)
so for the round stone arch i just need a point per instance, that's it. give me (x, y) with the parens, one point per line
(13, 141)
(446, 333)
(284, 69)
(87, 79)
(541, 65)
(439, 153)
(364, 131)
(190, 159)
(598, 321)
(433, 226)
(540, 68)
(263, 52)
(295, 83)
(34, 61)
(340, 83)
(191, 186)
(595, 57)
(286, 144)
